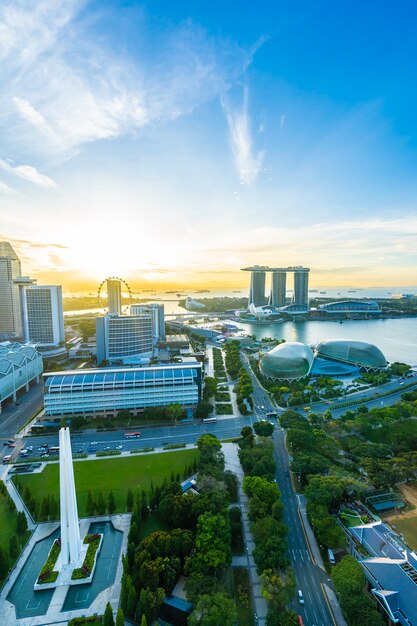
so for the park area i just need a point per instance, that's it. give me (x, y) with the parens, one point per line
(406, 522)
(115, 474)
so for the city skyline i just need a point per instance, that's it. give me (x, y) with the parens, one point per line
(220, 147)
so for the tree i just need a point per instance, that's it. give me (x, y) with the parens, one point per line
(212, 610)
(4, 564)
(143, 621)
(263, 428)
(108, 619)
(144, 510)
(278, 589)
(101, 505)
(21, 523)
(13, 547)
(210, 387)
(111, 504)
(91, 506)
(120, 618)
(203, 410)
(348, 576)
(129, 500)
(213, 542)
(175, 412)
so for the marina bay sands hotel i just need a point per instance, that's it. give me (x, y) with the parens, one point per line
(277, 292)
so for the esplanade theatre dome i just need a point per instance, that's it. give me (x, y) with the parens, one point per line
(288, 361)
(358, 353)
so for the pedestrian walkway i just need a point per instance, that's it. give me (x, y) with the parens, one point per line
(311, 538)
(232, 463)
(15, 496)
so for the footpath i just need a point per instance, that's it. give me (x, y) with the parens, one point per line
(260, 606)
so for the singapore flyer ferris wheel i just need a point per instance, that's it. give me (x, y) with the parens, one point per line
(113, 287)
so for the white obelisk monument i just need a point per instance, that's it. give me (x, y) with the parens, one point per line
(70, 529)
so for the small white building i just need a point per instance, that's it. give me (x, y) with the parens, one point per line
(19, 365)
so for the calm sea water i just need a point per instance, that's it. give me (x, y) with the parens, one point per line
(397, 338)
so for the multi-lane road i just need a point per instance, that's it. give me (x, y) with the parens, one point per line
(315, 610)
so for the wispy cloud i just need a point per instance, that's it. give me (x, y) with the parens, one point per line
(29, 173)
(70, 92)
(5, 188)
(248, 163)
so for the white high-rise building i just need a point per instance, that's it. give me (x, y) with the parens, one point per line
(114, 296)
(42, 315)
(10, 315)
(157, 313)
(122, 337)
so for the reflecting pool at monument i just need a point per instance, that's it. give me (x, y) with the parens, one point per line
(28, 602)
(81, 597)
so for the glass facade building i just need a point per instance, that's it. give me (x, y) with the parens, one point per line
(288, 361)
(121, 337)
(106, 391)
(358, 353)
(42, 314)
(350, 306)
(10, 314)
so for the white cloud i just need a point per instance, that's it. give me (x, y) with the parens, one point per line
(5, 188)
(29, 173)
(31, 115)
(248, 164)
(73, 92)
(282, 121)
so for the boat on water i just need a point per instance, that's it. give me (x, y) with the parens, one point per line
(351, 290)
(323, 291)
(236, 292)
(313, 290)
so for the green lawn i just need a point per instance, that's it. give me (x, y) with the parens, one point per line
(243, 597)
(113, 474)
(408, 527)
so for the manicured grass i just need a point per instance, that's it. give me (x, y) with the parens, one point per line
(151, 525)
(408, 527)
(113, 474)
(243, 597)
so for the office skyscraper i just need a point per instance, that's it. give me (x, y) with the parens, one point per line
(42, 314)
(10, 315)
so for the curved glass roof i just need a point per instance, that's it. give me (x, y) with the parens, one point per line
(288, 361)
(359, 353)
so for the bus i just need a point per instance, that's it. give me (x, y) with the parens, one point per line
(54, 449)
(209, 420)
(135, 435)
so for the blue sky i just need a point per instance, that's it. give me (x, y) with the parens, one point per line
(175, 142)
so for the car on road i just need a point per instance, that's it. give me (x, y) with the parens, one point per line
(119, 448)
(8, 442)
(45, 455)
(164, 443)
(107, 448)
(94, 443)
(300, 596)
(91, 450)
(287, 473)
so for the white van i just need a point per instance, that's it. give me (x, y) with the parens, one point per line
(331, 556)
(300, 596)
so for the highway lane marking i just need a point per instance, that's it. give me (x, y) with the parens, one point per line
(305, 537)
